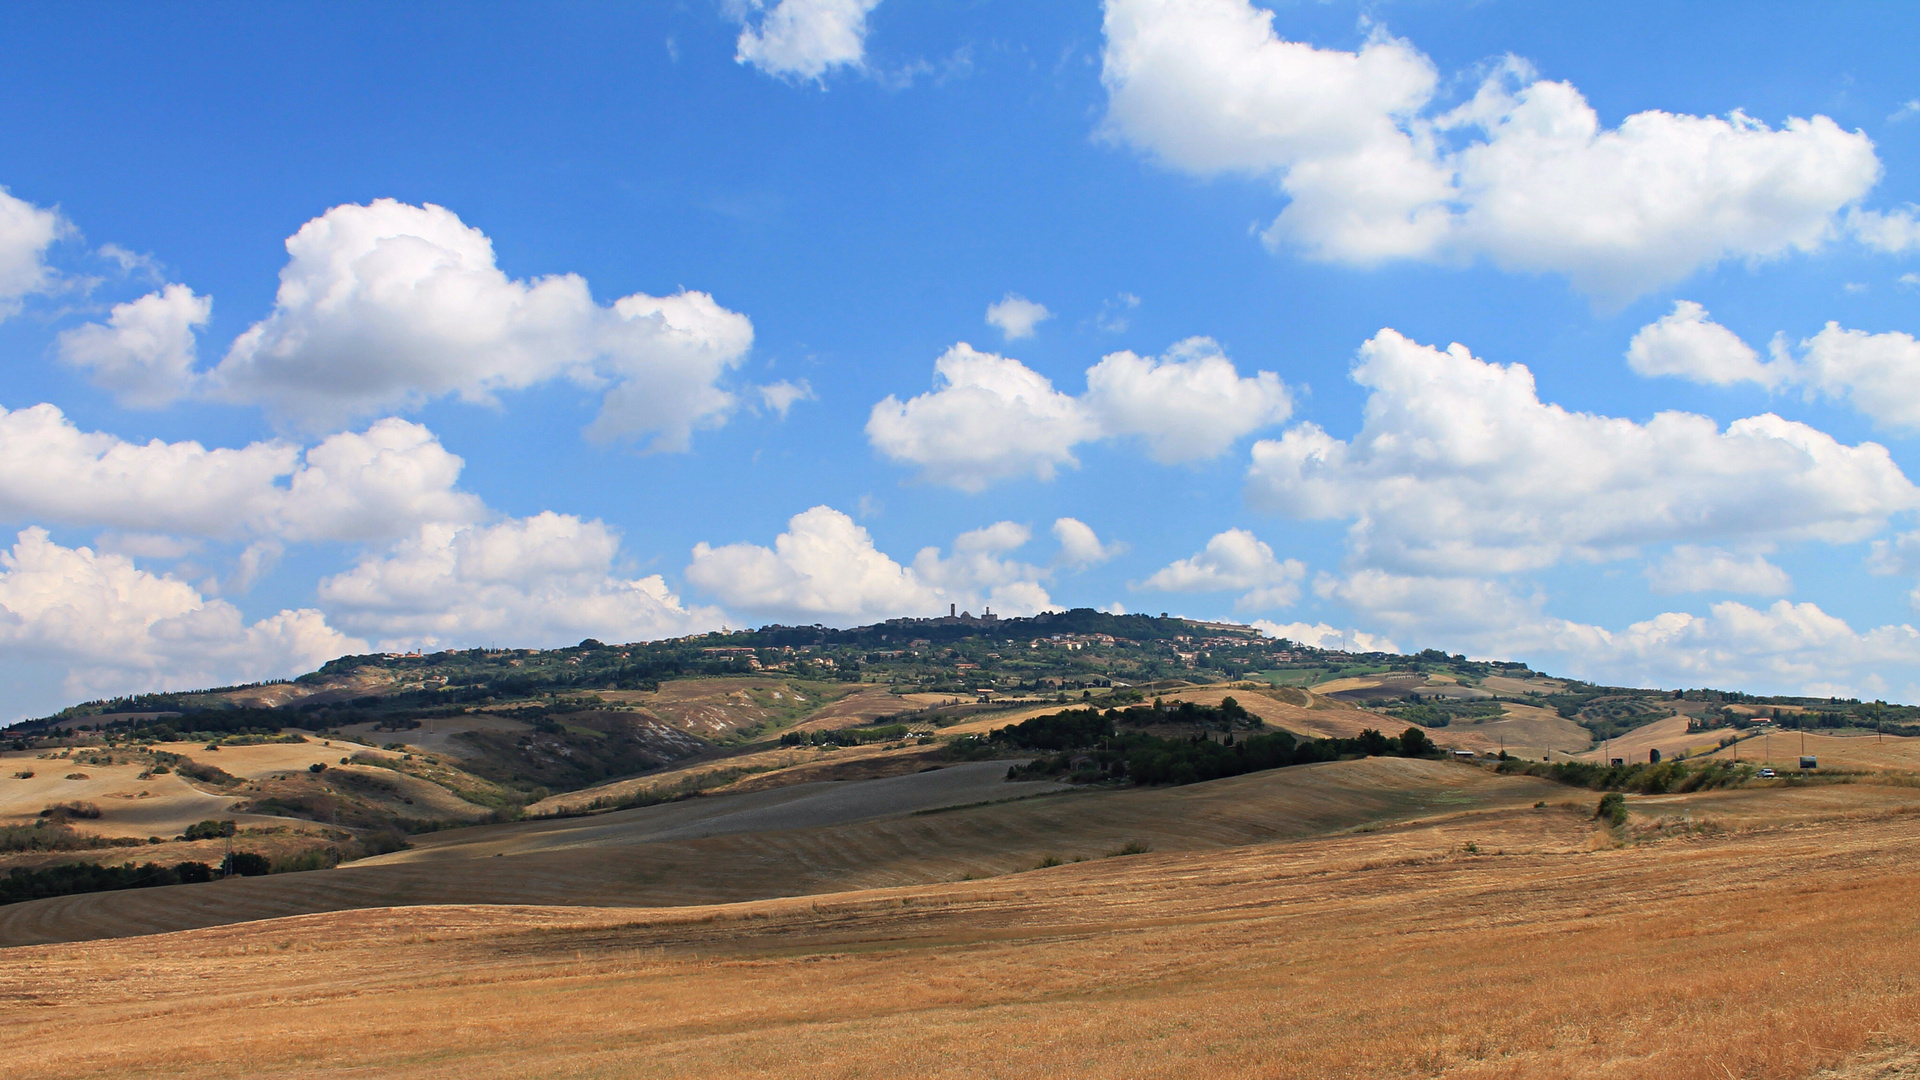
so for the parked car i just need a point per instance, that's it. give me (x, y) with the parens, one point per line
(1766, 774)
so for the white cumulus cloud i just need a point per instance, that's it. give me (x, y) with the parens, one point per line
(26, 232)
(1236, 561)
(1459, 467)
(1188, 405)
(1878, 374)
(1892, 231)
(988, 418)
(1784, 648)
(1523, 174)
(118, 629)
(991, 418)
(1688, 344)
(826, 566)
(145, 353)
(544, 580)
(389, 305)
(1080, 546)
(1325, 636)
(351, 486)
(1691, 568)
(1016, 316)
(802, 38)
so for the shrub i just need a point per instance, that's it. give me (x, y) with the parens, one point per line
(209, 830)
(245, 864)
(316, 859)
(50, 834)
(1612, 809)
(206, 774)
(74, 809)
(192, 873)
(318, 767)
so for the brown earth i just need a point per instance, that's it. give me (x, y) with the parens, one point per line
(1669, 736)
(1489, 942)
(717, 708)
(810, 838)
(162, 805)
(1522, 730)
(1782, 749)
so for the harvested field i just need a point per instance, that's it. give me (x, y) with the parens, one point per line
(1522, 730)
(1394, 686)
(1324, 718)
(1669, 736)
(814, 838)
(1782, 750)
(1504, 684)
(129, 806)
(437, 736)
(1294, 710)
(1483, 945)
(717, 708)
(271, 759)
(755, 771)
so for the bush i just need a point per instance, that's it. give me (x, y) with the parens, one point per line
(193, 873)
(317, 767)
(209, 830)
(206, 774)
(1675, 775)
(245, 864)
(74, 809)
(53, 834)
(316, 859)
(1612, 809)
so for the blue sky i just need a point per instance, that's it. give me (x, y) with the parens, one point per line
(335, 327)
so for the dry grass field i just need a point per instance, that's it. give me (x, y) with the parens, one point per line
(1494, 941)
(801, 839)
(129, 806)
(270, 759)
(1522, 730)
(1669, 736)
(1850, 752)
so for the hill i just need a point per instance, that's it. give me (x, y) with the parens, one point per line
(1494, 943)
(451, 738)
(842, 864)
(808, 838)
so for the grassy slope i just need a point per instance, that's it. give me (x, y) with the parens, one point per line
(619, 859)
(1395, 953)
